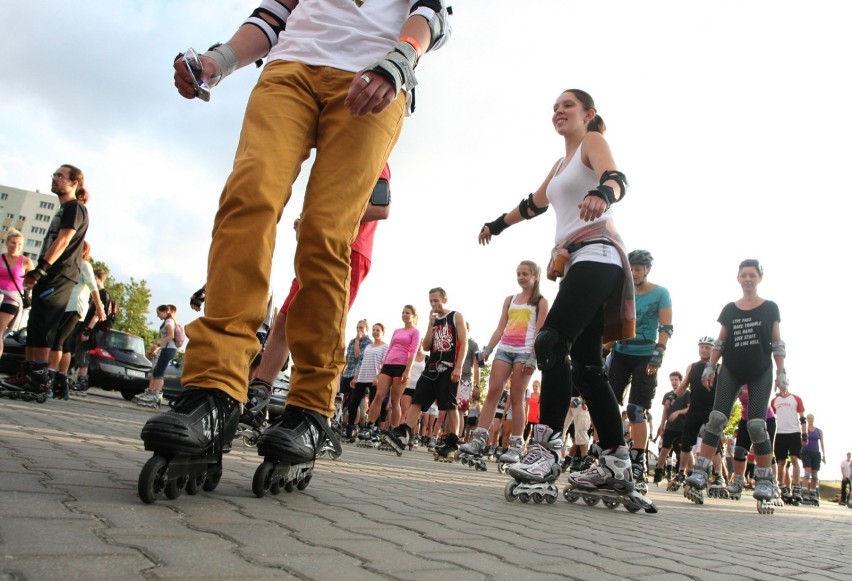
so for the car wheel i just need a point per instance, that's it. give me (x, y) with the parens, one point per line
(128, 394)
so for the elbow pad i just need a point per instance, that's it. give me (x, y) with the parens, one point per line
(779, 348)
(438, 17)
(667, 329)
(529, 210)
(270, 17)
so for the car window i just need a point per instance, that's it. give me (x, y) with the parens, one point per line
(125, 342)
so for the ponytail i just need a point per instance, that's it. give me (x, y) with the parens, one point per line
(597, 125)
(76, 174)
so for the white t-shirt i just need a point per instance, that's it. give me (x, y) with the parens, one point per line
(340, 34)
(787, 412)
(82, 291)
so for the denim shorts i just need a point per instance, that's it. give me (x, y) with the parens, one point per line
(511, 358)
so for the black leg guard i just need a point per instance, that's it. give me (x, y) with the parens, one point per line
(551, 348)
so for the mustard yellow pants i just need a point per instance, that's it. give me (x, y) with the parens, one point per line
(293, 108)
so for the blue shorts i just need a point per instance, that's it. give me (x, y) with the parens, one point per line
(511, 358)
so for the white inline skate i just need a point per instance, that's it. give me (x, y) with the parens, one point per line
(534, 476)
(609, 480)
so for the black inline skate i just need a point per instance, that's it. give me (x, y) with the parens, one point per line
(470, 454)
(397, 439)
(610, 481)
(718, 488)
(31, 383)
(290, 446)
(253, 416)
(448, 450)
(188, 442)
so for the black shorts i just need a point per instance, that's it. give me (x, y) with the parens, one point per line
(409, 391)
(345, 386)
(8, 307)
(393, 370)
(64, 339)
(632, 369)
(788, 444)
(811, 459)
(672, 438)
(50, 297)
(692, 425)
(436, 386)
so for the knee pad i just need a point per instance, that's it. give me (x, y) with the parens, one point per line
(759, 437)
(716, 423)
(551, 348)
(740, 454)
(635, 413)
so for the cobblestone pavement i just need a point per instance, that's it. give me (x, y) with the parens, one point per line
(69, 510)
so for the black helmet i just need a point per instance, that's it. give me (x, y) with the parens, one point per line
(640, 257)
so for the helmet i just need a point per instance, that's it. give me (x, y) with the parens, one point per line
(640, 257)
(706, 340)
(576, 401)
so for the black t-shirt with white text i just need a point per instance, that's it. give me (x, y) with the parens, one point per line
(748, 347)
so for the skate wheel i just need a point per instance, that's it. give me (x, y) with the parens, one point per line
(550, 498)
(525, 497)
(632, 508)
(537, 497)
(289, 486)
(262, 481)
(509, 491)
(275, 487)
(174, 488)
(152, 481)
(212, 480)
(194, 484)
(570, 495)
(611, 503)
(41, 398)
(303, 483)
(590, 500)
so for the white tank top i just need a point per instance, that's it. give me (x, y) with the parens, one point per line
(519, 334)
(572, 182)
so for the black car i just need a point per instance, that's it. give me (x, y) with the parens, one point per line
(172, 386)
(13, 351)
(118, 363)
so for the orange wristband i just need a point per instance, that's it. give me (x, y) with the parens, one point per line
(413, 42)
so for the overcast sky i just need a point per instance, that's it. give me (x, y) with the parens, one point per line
(730, 119)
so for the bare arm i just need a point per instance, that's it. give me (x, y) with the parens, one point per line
(513, 216)
(501, 326)
(461, 341)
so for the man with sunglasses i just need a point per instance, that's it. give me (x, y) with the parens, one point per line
(52, 281)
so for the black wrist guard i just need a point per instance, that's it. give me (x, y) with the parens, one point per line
(497, 225)
(197, 299)
(605, 193)
(40, 270)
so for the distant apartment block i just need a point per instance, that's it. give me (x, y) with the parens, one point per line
(29, 212)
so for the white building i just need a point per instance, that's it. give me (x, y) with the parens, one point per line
(29, 212)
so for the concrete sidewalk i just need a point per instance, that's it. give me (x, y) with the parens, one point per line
(69, 510)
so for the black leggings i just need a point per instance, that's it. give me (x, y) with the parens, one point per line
(357, 395)
(577, 313)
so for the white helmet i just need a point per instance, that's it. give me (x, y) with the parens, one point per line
(706, 340)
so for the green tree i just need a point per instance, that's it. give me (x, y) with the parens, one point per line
(734, 422)
(132, 303)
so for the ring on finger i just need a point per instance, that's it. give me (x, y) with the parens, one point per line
(366, 79)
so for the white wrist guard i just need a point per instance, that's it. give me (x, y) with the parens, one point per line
(226, 58)
(708, 373)
(781, 374)
(398, 66)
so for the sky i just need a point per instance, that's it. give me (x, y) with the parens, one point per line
(730, 120)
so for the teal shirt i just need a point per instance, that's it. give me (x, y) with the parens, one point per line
(648, 308)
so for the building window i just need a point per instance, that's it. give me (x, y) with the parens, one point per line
(46, 205)
(10, 216)
(4, 196)
(42, 217)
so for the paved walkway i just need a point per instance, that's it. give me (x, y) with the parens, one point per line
(69, 510)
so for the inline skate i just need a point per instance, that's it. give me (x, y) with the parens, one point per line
(718, 488)
(79, 386)
(31, 383)
(608, 481)
(397, 439)
(763, 489)
(695, 483)
(290, 447)
(148, 399)
(448, 450)
(736, 487)
(365, 436)
(253, 416)
(470, 454)
(810, 496)
(188, 442)
(534, 476)
(512, 455)
(676, 482)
